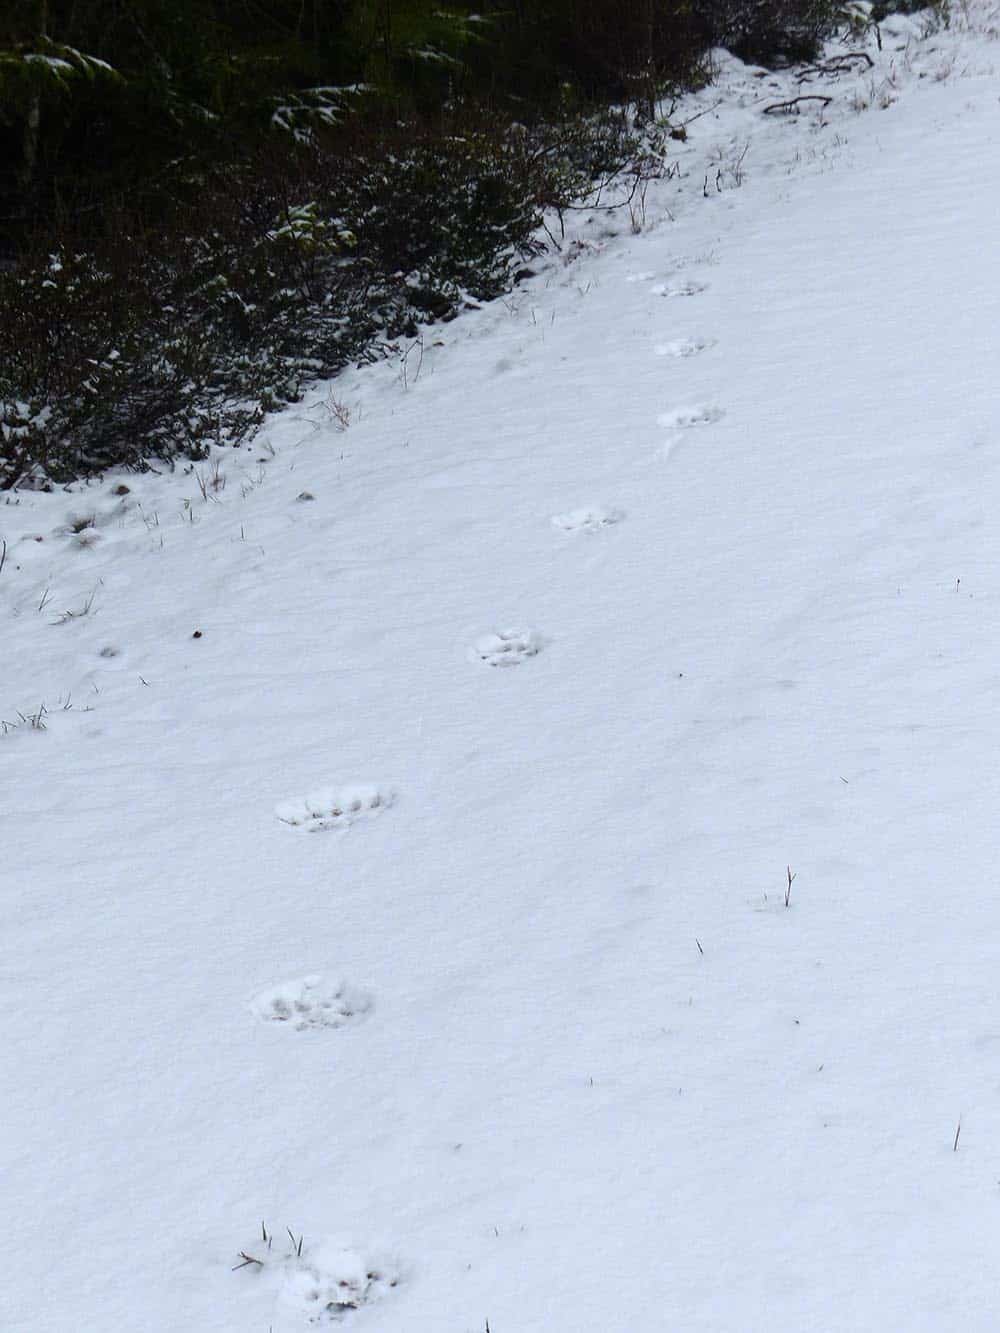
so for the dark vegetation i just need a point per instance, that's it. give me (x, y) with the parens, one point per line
(206, 203)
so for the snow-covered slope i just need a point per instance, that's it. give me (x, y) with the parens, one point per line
(403, 862)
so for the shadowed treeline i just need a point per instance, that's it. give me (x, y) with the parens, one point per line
(205, 203)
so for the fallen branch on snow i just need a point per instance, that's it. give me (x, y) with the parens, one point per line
(791, 107)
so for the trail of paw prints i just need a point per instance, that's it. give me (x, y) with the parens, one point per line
(312, 1002)
(334, 807)
(589, 519)
(684, 418)
(679, 287)
(684, 347)
(507, 647)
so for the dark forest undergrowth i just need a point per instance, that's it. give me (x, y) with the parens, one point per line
(205, 204)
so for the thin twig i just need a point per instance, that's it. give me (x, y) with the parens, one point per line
(707, 111)
(792, 105)
(835, 65)
(788, 891)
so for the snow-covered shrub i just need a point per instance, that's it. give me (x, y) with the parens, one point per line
(770, 31)
(159, 340)
(101, 365)
(448, 213)
(937, 10)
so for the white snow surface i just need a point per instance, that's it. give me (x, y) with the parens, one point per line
(605, 1079)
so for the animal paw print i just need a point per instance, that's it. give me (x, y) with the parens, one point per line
(591, 519)
(311, 1002)
(318, 1284)
(681, 287)
(329, 1283)
(683, 347)
(682, 418)
(507, 647)
(333, 807)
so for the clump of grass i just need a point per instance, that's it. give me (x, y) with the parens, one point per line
(267, 1238)
(84, 610)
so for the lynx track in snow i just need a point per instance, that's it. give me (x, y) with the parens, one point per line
(680, 287)
(684, 347)
(334, 807)
(317, 1284)
(328, 1283)
(507, 647)
(589, 519)
(682, 418)
(311, 1002)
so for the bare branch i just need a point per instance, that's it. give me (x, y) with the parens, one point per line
(791, 107)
